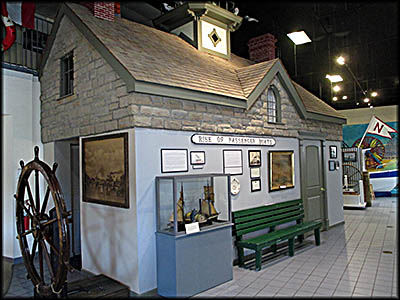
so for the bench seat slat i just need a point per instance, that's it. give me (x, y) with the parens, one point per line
(239, 220)
(281, 234)
(266, 225)
(257, 221)
(265, 208)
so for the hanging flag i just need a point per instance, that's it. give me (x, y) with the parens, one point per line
(378, 127)
(22, 13)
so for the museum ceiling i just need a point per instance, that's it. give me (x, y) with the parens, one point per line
(365, 33)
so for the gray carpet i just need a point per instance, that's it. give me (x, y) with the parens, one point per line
(7, 269)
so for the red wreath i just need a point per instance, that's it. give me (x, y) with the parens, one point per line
(9, 39)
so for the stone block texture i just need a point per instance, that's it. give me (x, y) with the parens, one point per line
(101, 104)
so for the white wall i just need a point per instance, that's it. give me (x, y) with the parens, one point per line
(148, 166)
(21, 132)
(334, 186)
(109, 234)
(363, 115)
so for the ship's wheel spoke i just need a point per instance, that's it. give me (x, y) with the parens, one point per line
(46, 199)
(33, 253)
(47, 259)
(51, 245)
(41, 263)
(30, 196)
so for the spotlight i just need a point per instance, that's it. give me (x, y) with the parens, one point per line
(336, 88)
(334, 98)
(344, 97)
(374, 94)
(366, 100)
(340, 60)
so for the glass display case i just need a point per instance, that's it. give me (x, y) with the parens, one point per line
(184, 199)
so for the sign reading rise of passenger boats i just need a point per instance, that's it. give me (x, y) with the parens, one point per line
(210, 139)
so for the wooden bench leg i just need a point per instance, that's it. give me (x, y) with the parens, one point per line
(291, 246)
(258, 259)
(317, 237)
(241, 256)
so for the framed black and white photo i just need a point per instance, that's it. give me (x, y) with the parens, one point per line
(255, 185)
(255, 173)
(197, 157)
(254, 158)
(233, 162)
(174, 160)
(332, 152)
(105, 170)
(332, 165)
(349, 156)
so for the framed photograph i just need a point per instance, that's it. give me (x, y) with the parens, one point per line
(105, 170)
(255, 185)
(332, 152)
(197, 157)
(233, 162)
(254, 158)
(174, 160)
(255, 173)
(349, 156)
(332, 165)
(281, 170)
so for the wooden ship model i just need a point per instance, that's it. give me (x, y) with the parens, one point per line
(207, 204)
(206, 214)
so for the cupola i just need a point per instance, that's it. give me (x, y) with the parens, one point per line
(203, 24)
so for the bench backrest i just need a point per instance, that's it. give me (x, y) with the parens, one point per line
(257, 218)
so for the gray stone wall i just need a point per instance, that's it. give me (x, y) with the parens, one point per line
(100, 103)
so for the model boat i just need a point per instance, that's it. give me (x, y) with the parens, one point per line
(207, 204)
(179, 210)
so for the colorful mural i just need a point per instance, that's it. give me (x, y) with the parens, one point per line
(383, 155)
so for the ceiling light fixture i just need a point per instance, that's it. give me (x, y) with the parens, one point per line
(334, 78)
(344, 97)
(336, 88)
(374, 94)
(340, 60)
(334, 98)
(366, 100)
(299, 37)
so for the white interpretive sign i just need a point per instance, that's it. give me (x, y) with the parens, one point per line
(174, 160)
(210, 139)
(233, 163)
(192, 227)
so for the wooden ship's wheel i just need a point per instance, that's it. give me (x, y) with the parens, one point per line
(353, 174)
(374, 156)
(46, 258)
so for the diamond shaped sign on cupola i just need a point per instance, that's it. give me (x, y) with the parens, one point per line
(206, 26)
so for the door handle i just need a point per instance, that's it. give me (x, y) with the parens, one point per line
(322, 189)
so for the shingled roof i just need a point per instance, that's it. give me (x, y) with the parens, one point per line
(154, 57)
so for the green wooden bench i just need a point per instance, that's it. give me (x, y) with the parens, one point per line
(269, 216)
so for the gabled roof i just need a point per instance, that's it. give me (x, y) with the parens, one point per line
(156, 62)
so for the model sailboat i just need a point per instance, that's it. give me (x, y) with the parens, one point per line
(207, 204)
(179, 210)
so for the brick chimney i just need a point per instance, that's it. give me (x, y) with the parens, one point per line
(262, 48)
(103, 10)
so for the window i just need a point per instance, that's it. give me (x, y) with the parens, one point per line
(273, 106)
(67, 75)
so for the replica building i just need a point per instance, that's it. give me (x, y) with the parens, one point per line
(126, 108)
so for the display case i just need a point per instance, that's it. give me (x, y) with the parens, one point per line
(191, 261)
(185, 199)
